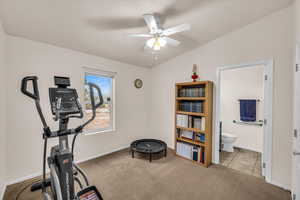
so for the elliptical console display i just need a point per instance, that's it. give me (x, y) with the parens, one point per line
(63, 171)
(64, 100)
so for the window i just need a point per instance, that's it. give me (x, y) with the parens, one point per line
(104, 120)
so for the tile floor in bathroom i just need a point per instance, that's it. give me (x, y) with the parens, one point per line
(246, 161)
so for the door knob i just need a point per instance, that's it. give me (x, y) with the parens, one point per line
(296, 153)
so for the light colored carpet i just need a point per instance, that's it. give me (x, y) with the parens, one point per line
(119, 177)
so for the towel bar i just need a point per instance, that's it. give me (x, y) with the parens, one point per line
(258, 100)
(257, 123)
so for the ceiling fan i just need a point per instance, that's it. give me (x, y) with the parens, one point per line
(158, 36)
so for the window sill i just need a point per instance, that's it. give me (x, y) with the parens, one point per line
(97, 132)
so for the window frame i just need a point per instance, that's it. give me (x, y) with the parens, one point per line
(112, 75)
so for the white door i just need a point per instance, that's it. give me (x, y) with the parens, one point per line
(296, 140)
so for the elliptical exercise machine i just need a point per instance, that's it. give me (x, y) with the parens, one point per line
(63, 171)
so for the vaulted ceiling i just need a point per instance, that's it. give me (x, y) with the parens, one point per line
(100, 27)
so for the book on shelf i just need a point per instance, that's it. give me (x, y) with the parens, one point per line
(200, 137)
(191, 152)
(182, 120)
(187, 134)
(192, 92)
(199, 123)
(201, 155)
(190, 122)
(184, 150)
(195, 153)
(196, 107)
(187, 121)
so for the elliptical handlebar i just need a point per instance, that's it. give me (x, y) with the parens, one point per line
(94, 105)
(92, 96)
(35, 95)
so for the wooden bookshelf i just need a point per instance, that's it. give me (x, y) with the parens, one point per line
(190, 141)
(191, 113)
(206, 100)
(191, 98)
(191, 129)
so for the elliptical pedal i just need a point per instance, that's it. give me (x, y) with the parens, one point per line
(89, 193)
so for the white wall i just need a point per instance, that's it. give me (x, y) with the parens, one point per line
(297, 19)
(270, 37)
(24, 139)
(2, 108)
(242, 83)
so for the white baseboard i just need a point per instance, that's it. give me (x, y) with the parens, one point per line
(246, 148)
(21, 179)
(100, 155)
(285, 187)
(169, 147)
(2, 191)
(24, 178)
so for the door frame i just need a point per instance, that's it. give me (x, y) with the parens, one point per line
(295, 147)
(268, 114)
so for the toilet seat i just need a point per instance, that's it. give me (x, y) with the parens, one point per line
(228, 135)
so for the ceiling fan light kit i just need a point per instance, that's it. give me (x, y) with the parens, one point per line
(159, 37)
(156, 43)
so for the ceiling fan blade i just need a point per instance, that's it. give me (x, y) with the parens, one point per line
(152, 22)
(172, 42)
(115, 23)
(176, 29)
(141, 35)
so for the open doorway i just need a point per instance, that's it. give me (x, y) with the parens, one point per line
(244, 118)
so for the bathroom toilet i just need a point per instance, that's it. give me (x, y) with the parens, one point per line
(228, 141)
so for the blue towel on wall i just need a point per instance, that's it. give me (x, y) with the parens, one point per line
(248, 110)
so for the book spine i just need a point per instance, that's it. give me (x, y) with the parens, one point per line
(200, 155)
(203, 124)
(195, 153)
